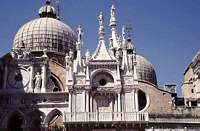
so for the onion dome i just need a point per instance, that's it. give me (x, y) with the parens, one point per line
(145, 70)
(46, 32)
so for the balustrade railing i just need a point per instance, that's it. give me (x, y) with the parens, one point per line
(105, 116)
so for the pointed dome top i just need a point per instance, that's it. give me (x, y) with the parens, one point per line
(47, 10)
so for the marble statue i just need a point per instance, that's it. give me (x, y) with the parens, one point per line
(38, 82)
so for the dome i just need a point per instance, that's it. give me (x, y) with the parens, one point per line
(46, 32)
(145, 70)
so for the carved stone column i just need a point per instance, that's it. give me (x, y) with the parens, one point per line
(5, 77)
(118, 72)
(136, 100)
(44, 78)
(87, 101)
(31, 79)
(115, 105)
(91, 104)
(83, 102)
(70, 102)
(70, 72)
(119, 102)
(74, 102)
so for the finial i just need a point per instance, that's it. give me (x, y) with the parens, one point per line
(80, 33)
(130, 42)
(101, 19)
(113, 10)
(129, 31)
(123, 35)
(112, 16)
(101, 25)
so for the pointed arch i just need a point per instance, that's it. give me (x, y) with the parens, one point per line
(51, 115)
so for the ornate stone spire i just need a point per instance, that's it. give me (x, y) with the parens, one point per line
(101, 52)
(80, 37)
(101, 26)
(113, 24)
(124, 51)
(79, 44)
(130, 44)
(87, 58)
(113, 21)
(123, 37)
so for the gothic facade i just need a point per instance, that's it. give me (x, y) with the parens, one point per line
(46, 84)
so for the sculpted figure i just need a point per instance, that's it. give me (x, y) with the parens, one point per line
(38, 82)
(101, 19)
(80, 33)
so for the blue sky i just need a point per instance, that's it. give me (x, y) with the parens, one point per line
(166, 32)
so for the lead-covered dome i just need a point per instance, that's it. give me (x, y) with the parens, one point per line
(46, 32)
(145, 70)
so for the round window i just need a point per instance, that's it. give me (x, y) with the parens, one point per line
(102, 82)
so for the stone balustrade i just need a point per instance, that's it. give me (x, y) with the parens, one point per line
(105, 116)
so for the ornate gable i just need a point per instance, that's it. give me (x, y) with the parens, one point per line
(102, 53)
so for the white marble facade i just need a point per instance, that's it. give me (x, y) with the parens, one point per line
(47, 83)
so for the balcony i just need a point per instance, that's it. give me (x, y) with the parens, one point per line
(106, 117)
